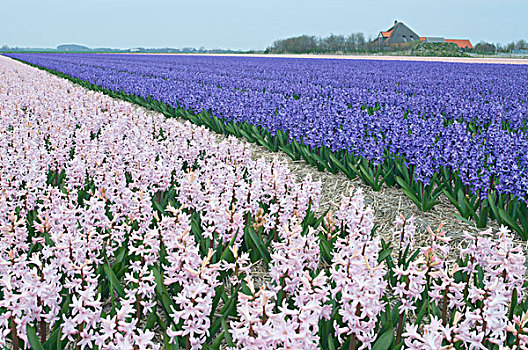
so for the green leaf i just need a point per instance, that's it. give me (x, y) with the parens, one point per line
(53, 340)
(257, 241)
(158, 206)
(494, 209)
(320, 219)
(338, 163)
(463, 203)
(385, 340)
(421, 313)
(384, 254)
(227, 255)
(436, 311)
(368, 176)
(168, 345)
(114, 282)
(512, 224)
(227, 336)
(306, 156)
(384, 178)
(121, 254)
(326, 250)
(321, 162)
(253, 139)
(163, 295)
(331, 343)
(218, 341)
(409, 191)
(230, 304)
(483, 217)
(412, 257)
(151, 320)
(453, 200)
(216, 300)
(33, 339)
(513, 304)
(166, 339)
(399, 346)
(60, 343)
(464, 219)
(395, 313)
(289, 152)
(470, 205)
(213, 329)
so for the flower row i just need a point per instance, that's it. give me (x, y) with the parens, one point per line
(120, 229)
(434, 129)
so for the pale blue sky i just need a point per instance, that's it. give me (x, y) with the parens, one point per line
(246, 24)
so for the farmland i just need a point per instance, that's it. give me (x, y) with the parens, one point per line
(433, 129)
(122, 229)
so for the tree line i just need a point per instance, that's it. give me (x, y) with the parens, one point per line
(357, 42)
(485, 47)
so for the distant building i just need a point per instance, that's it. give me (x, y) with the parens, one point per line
(399, 33)
(462, 43)
(432, 39)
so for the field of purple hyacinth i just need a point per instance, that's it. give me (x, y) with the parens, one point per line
(121, 229)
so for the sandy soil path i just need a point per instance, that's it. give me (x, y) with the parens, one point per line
(494, 60)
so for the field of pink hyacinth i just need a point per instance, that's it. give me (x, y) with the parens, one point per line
(122, 229)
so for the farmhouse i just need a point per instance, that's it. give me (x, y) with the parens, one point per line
(399, 33)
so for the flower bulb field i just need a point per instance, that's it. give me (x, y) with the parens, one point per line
(123, 228)
(433, 129)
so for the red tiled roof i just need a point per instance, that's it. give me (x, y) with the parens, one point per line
(462, 43)
(387, 34)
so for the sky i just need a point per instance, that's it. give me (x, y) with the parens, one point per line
(248, 24)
